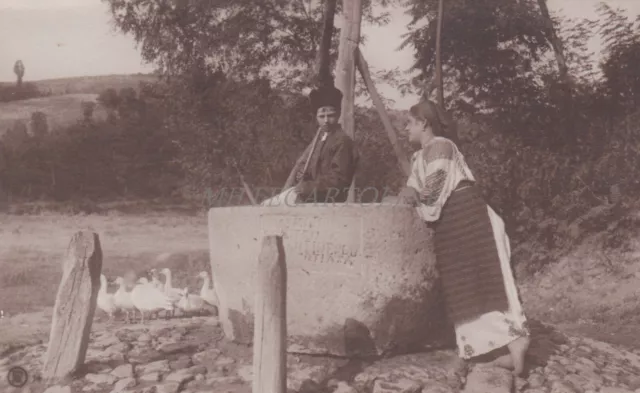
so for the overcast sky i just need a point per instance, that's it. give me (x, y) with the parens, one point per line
(65, 38)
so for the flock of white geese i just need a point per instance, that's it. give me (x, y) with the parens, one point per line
(152, 297)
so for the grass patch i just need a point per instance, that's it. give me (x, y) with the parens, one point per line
(62, 111)
(93, 84)
(33, 247)
(591, 291)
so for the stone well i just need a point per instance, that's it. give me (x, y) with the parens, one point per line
(361, 277)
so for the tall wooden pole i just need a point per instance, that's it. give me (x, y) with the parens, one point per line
(439, 55)
(321, 69)
(320, 77)
(346, 69)
(452, 127)
(363, 67)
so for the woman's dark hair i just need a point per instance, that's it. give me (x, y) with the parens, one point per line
(426, 110)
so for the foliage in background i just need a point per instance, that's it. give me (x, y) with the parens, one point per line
(13, 92)
(547, 152)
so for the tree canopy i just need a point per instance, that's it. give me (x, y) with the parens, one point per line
(245, 38)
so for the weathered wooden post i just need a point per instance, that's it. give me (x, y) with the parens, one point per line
(439, 54)
(346, 68)
(363, 67)
(270, 323)
(74, 308)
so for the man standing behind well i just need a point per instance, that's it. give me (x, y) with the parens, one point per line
(326, 175)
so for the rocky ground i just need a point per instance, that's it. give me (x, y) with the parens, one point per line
(191, 355)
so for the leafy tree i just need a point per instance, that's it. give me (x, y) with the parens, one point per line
(243, 39)
(88, 107)
(621, 38)
(490, 47)
(110, 100)
(18, 69)
(511, 63)
(232, 70)
(128, 103)
(39, 125)
(17, 137)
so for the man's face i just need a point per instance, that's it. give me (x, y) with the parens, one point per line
(327, 116)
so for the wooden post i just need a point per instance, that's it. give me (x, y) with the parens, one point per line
(346, 69)
(363, 67)
(74, 308)
(270, 324)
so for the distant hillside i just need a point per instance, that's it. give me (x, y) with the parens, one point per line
(61, 110)
(89, 84)
(63, 106)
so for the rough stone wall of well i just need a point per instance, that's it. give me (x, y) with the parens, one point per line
(361, 278)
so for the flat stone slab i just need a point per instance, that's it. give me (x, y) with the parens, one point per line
(361, 277)
(484, 379)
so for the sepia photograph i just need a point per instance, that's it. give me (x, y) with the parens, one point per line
(319, 196)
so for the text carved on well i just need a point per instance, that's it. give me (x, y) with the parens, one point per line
(335, 251)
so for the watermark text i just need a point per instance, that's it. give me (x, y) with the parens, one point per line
(273, 196)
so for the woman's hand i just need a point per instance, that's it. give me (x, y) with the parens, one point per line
(409, 196)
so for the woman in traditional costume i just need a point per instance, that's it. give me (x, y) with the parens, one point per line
(471, 245)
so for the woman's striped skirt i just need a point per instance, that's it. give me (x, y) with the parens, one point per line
(473, 259)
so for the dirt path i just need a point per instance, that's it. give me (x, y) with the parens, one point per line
(626, 336)
(24, 329)
(33, 328)
(191, 355)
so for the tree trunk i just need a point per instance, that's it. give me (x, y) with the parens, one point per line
(321, 69)
(323, 59)
(555, 41)
(563, 70)
(346, 70)
(439, 55)
(52, 172)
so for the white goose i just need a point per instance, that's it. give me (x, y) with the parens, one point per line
(174, 294)
(206, 293)
(122, 299)
(147, 298)
(155, 279)
(106, 301)
(190, 303)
